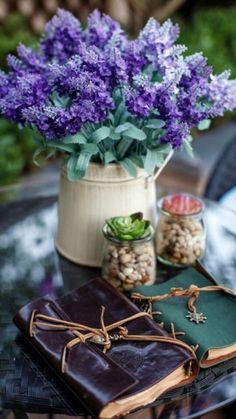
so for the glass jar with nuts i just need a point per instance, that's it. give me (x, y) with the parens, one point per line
(128, 261)
(180, 233)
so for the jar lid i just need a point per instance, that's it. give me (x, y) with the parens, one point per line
(181, 204)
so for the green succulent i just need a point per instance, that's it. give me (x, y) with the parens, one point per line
(132, 227)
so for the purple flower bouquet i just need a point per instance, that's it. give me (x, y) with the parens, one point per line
(97, 96)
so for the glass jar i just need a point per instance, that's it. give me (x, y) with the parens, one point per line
(180, 233)
(127, 264)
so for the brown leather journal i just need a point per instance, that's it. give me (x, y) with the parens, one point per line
(113, 357)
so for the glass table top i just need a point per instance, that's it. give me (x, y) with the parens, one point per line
(30, 267)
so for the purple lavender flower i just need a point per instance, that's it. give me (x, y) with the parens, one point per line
(101, 29)
(31, 59)
(4, 84)
(134, 58)
(62, 37)
(176, 133)
(157, 42)
(80, 80)
(221, 92)
(25, 92)
(140, 97)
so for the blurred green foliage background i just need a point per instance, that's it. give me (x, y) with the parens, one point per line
(211, 30)
(16, 146)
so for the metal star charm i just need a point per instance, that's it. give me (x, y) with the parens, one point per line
(196, 317)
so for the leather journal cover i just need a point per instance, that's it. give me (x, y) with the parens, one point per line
(109, 355)
(211, 329)
(28, 384)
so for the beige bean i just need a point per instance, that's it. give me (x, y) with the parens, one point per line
(128, 265)
(129, 281)
(121, 275)
(127, 271)
(165, 226)
(192, 259)
(115, 254)
(139, 250)
(198, 252)
(177, 255)
(181, 240)
(184, 251)
(143, 257)
(121, 251)
(125, 258)
(133, 276)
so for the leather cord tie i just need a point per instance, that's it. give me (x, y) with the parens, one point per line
(192, 292)
(98, 336)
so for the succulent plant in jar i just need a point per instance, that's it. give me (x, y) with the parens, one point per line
(128, 256)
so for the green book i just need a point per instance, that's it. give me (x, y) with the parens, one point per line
(214, 335)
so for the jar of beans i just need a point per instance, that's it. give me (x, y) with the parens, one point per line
(180, 233)
(127, 264)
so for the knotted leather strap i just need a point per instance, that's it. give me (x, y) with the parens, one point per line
(99, 336)
(192, 292)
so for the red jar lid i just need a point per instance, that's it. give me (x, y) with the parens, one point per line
(181, 204)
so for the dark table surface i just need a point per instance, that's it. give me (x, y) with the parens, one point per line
(30, 267)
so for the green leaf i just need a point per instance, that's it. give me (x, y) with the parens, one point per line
(37, 152)
(135, 133)
(77, 165)
(153, 159)
(120, 110)
(155, 123)
(60, 146)
(137, 160)
(111, 117)
(149, 162)
(159, 158)
(60, 101)
(129, 166)
(117, 95)
(204, 124)
(75, 139)
(125, 115)
(71, 167)
(156, 77)
(82, 164)
(148, 69)
(89, 148)
(122, 127)
(100, 134)
(37, 138)
(189, 138)
(130, 130)
(109, 157)
(164, 148)
(114, 135)
(52, 153)
(188, 148)
(123, 146)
